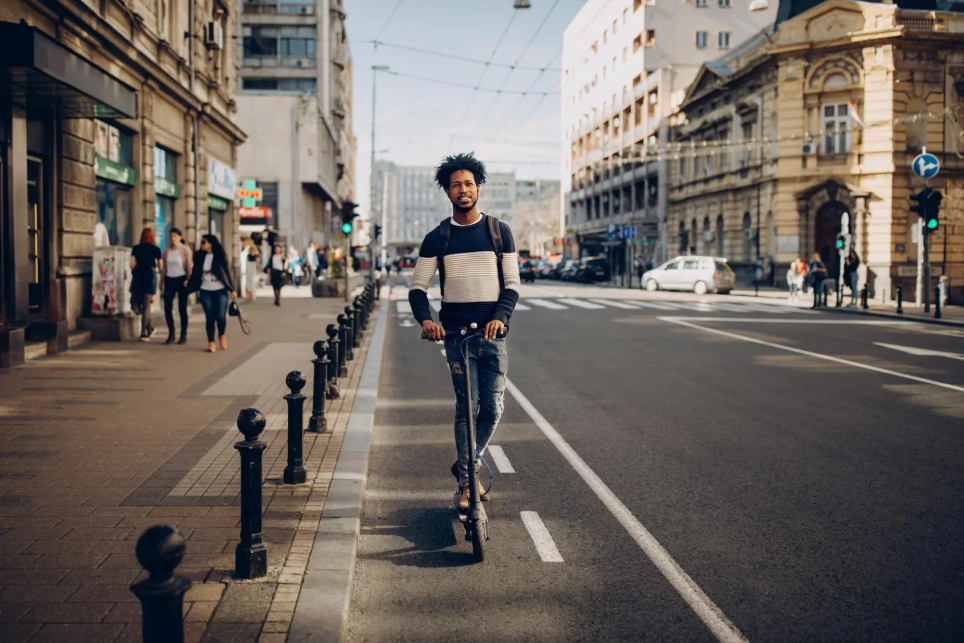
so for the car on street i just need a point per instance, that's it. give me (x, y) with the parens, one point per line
(547, 268)
(527, 271)
(568, 270)
(697, 274)
(592, 269)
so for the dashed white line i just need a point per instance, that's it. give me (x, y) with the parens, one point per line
(546, 547)
(582, 303)
(519, 306)
(544, 303)
(501, 462)
(699, 602)
(615, 304)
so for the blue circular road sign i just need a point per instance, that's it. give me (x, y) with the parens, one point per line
(926, 166)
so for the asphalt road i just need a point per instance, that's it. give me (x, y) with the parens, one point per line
(778, 475)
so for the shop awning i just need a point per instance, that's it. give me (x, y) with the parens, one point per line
(39, 73)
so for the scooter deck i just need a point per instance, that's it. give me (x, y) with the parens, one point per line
(464, 516)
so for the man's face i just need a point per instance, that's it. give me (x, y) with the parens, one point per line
(463, 190)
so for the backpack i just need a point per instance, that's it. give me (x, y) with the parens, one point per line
(445, 232)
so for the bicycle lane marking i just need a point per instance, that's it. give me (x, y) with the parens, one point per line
(541, 537)
(500, 459)
(711, 615)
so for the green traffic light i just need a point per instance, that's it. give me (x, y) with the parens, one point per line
(346, 228)
(839, 244)
(932, 224)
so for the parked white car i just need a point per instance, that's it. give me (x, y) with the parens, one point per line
(699, 274)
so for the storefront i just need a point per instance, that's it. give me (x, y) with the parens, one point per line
(223, 187)
(166, 192)
(116, 178)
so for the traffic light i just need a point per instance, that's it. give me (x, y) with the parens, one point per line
(920, 203)
(933, 211)
(377, 231)
(841, 241)
(347, 215)
(346, 227)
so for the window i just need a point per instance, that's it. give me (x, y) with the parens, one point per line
(682, 170)
(297, 7)
(701, 39)
(690, 264)
(719, 239)
(262, 42)
(279, 85)
(724, 39)
(650, 37)
(637, 4)
(674, 265)
(637, 43)
(701, 3)
(725, 4)
(279, 46)
(747, 234)
(835, 122)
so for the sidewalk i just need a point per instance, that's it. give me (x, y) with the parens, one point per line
(112, 438)
(950, 315)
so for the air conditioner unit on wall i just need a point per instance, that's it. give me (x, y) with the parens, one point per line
(808, 149)
(214, 36)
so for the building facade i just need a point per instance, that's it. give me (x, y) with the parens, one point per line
(408, 203)
(115, 118)
(294, 100)
(848, 94)
(626, 67)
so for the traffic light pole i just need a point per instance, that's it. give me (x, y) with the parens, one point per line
(926, 245)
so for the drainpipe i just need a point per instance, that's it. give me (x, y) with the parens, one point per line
(196, 136)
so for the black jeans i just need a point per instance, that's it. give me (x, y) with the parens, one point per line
(175, 287)
(215, 305)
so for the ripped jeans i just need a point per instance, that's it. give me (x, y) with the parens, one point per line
(489, 362)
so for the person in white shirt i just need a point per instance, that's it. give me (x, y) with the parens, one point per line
(276, 267)
(177, 266)
(212, 277)
(312, 257)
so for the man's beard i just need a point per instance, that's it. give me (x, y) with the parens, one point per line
(464, 210)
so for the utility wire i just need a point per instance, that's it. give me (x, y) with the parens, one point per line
(522, 99)
(489, 62)
(442, 54)
(390, 16)
(450, 83)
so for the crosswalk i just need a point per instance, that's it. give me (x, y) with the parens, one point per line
(572, 303)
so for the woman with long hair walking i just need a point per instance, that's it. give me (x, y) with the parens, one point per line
(145, 260)
(178, 266)
(253, 258)
(212, 278)
(276, 267)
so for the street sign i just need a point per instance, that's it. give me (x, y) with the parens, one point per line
(250, 194)
(628, 232)
(255, 194)
(926, 166)
(612, 232)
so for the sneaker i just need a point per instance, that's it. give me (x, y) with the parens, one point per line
(224, 343)
(145, 338)
(210, 347)
(151, 331)
(463, 499)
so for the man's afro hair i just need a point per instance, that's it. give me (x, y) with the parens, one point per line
(451, 164)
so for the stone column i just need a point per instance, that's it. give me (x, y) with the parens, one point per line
(77, 214)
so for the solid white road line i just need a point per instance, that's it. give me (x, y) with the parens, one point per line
(614, 303)
(706, 609)
(829, 358)
(544, 303)
(520, 306)
(541, 537)
(654, 304)
(920, 352)
(757, 320)
(582, 303)
(501, 462)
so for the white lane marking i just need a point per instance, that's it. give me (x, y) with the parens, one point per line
(757, 320)
(541, 537)
(614, 304)
(519, 306)
(444, 353)
(501, 462)
(920, 352)
(436, 305)
(763, 308)
(582, 303)
(653, 304)
(706, 609)
(402, 307)
(551, 305)
(829, 358)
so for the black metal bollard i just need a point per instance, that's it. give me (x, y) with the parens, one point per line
(937, 302)
(864, 296)
(359, 307)
(352, 313)
(349, 333)
(333, 362)
(319, 385)
(160, 550)
(378, 289)
(344, 337)
(838, 297)
(295, 471)
(251, 556)
(365, 307)
(900, 299)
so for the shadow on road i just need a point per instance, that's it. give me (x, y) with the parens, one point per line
(430, 531)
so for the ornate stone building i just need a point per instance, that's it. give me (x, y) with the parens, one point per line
(818, 117)
(116, 115)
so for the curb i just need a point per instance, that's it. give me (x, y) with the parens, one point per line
(321, 613)
(894, 317)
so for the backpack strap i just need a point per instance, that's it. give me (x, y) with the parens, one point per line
(444, 233)
(495, 233)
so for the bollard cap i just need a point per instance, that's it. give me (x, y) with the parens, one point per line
(341, 319)
(332, 330)
(160, 550)
(349, 310)
(295, 381)
(251, 423)
(320, 348)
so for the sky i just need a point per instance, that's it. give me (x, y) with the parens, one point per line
(418, 121)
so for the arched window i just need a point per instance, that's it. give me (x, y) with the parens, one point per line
(746, 236)
(719, 236)
(683, 242)
(706, 235)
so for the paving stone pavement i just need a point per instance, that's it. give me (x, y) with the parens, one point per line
(110, 439)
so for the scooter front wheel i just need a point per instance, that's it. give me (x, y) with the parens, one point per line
(478, 543)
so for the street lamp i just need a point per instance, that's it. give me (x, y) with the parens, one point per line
(371, 173)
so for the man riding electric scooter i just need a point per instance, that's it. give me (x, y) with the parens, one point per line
(478, 267)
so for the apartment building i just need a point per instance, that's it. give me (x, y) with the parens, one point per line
(294, 100)
(818, 118)
(408, 203)
(626, 67)
(117, 117)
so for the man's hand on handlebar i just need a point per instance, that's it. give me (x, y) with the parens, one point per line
(432, 331)
(494, 328)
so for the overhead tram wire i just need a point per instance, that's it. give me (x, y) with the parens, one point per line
(529, 90)
(450, 83)
(471, 102)
(442, 54)
(382, 30)
(519, 59)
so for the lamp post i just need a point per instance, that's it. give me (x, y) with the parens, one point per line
(371, 191)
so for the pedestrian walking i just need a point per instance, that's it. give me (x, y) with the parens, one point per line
(817, 273)
(851, 276)
(311, 258)
(295, 267)
(177, 267)
(640, 270)
(146, 258)
(253, 258)
(276, 267)
(211, 277)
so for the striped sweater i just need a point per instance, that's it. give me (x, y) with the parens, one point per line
(471, 292)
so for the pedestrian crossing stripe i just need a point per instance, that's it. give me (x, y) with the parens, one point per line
(545, 303)
(581, 303)
(565, 303)
(615, 304)
(519, 306)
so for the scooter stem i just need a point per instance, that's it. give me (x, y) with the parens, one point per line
(474, 499)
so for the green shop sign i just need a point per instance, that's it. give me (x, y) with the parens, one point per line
(167, 188)
(112, 171)
(217, 203)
